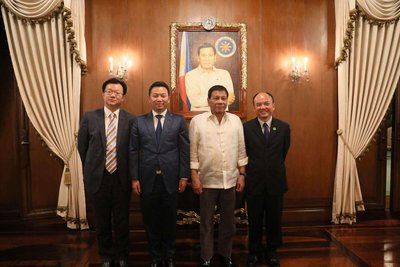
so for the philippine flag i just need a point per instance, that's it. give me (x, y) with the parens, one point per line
(184, 66)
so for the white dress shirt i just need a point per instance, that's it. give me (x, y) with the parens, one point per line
(155, 120)
(198, 81)
(107, 119)
(217, 150)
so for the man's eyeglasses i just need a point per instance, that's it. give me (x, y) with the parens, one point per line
(110, 92)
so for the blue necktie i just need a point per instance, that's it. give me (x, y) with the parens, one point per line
(266, 131)
(159, 128)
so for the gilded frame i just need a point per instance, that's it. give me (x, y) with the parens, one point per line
(236, 63)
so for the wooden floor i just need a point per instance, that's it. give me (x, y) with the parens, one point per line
(367, 243)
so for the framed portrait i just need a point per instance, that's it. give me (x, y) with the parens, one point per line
(203, 55)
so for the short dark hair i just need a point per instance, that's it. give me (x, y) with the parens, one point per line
(159, 84)
(217, 88)
(272, 97)
(206, 45)
(116, 81)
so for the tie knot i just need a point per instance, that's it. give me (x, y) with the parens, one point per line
(112, 116)
(159, 116)
(265, 125)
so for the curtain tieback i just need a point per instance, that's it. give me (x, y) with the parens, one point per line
(339, 132)
(67, 174)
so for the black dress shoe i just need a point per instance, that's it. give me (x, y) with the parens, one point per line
(272, 259)
(169, 262)
(227, 262)
(108, 263)
(205, 263)
(155, 263)
(253, 261)
(123, 263)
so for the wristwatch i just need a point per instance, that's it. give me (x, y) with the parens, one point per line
(242, 173)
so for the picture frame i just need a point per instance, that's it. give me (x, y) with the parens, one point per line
(189, 80)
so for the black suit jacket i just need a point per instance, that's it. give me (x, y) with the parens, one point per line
(171, 156)
(266, 167)
(92, 148)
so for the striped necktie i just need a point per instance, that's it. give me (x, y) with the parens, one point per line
(111, 147)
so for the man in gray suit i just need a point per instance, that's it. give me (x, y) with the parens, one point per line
(159, 161)
(103, 142)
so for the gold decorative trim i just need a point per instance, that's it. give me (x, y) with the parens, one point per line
(40, 20)
(243, 39)
(68, 24)
(76, 221)
(191, 217)
(374, 21)
(68, 27)
(354, 15)
(348, 39)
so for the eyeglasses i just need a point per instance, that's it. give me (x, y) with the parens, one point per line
(110, 92)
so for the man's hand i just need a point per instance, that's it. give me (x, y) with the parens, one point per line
(136, 187)
(196, 183)
(182, 185)
(240, 184)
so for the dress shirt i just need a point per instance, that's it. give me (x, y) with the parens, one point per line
(107, 120)
(199, 81)
(269, 121)
(155, 120)
(217, 149)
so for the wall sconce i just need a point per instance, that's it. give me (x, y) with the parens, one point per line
(121, 68)
(299, 70)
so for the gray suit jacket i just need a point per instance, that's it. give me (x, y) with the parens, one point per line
(171, 156)
(92, 148)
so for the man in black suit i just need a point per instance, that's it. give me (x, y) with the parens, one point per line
(103, 143)
(159, 157)
(267, 143)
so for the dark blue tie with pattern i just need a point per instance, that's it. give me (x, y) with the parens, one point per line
(159, 128)
(266, 131)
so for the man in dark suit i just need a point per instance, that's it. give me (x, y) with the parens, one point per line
(159, 145)
(103, 144)
(267, 143)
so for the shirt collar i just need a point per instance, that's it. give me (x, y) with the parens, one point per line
(162, 113)
(269, 122)
(205, 71)
(107, 112)
(209, 115)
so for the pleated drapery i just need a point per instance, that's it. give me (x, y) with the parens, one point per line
(47, 47)
(368, 65)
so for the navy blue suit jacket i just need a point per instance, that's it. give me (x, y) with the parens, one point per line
(266, 167)
(171, 156)
(92, 148)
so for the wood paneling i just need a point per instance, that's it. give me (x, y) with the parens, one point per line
(9, 189)
(276, 31)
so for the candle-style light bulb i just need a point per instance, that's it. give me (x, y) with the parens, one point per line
(305, 64)
(110, 65)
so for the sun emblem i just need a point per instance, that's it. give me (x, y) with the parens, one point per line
(225, 46)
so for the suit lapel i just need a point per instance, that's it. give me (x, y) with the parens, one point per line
(257, 130)
(150, 127)
(167, 125)
(121, 127)
(102, 127)
(273, 131)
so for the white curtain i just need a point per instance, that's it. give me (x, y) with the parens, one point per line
(47, 47)
(368, 62)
